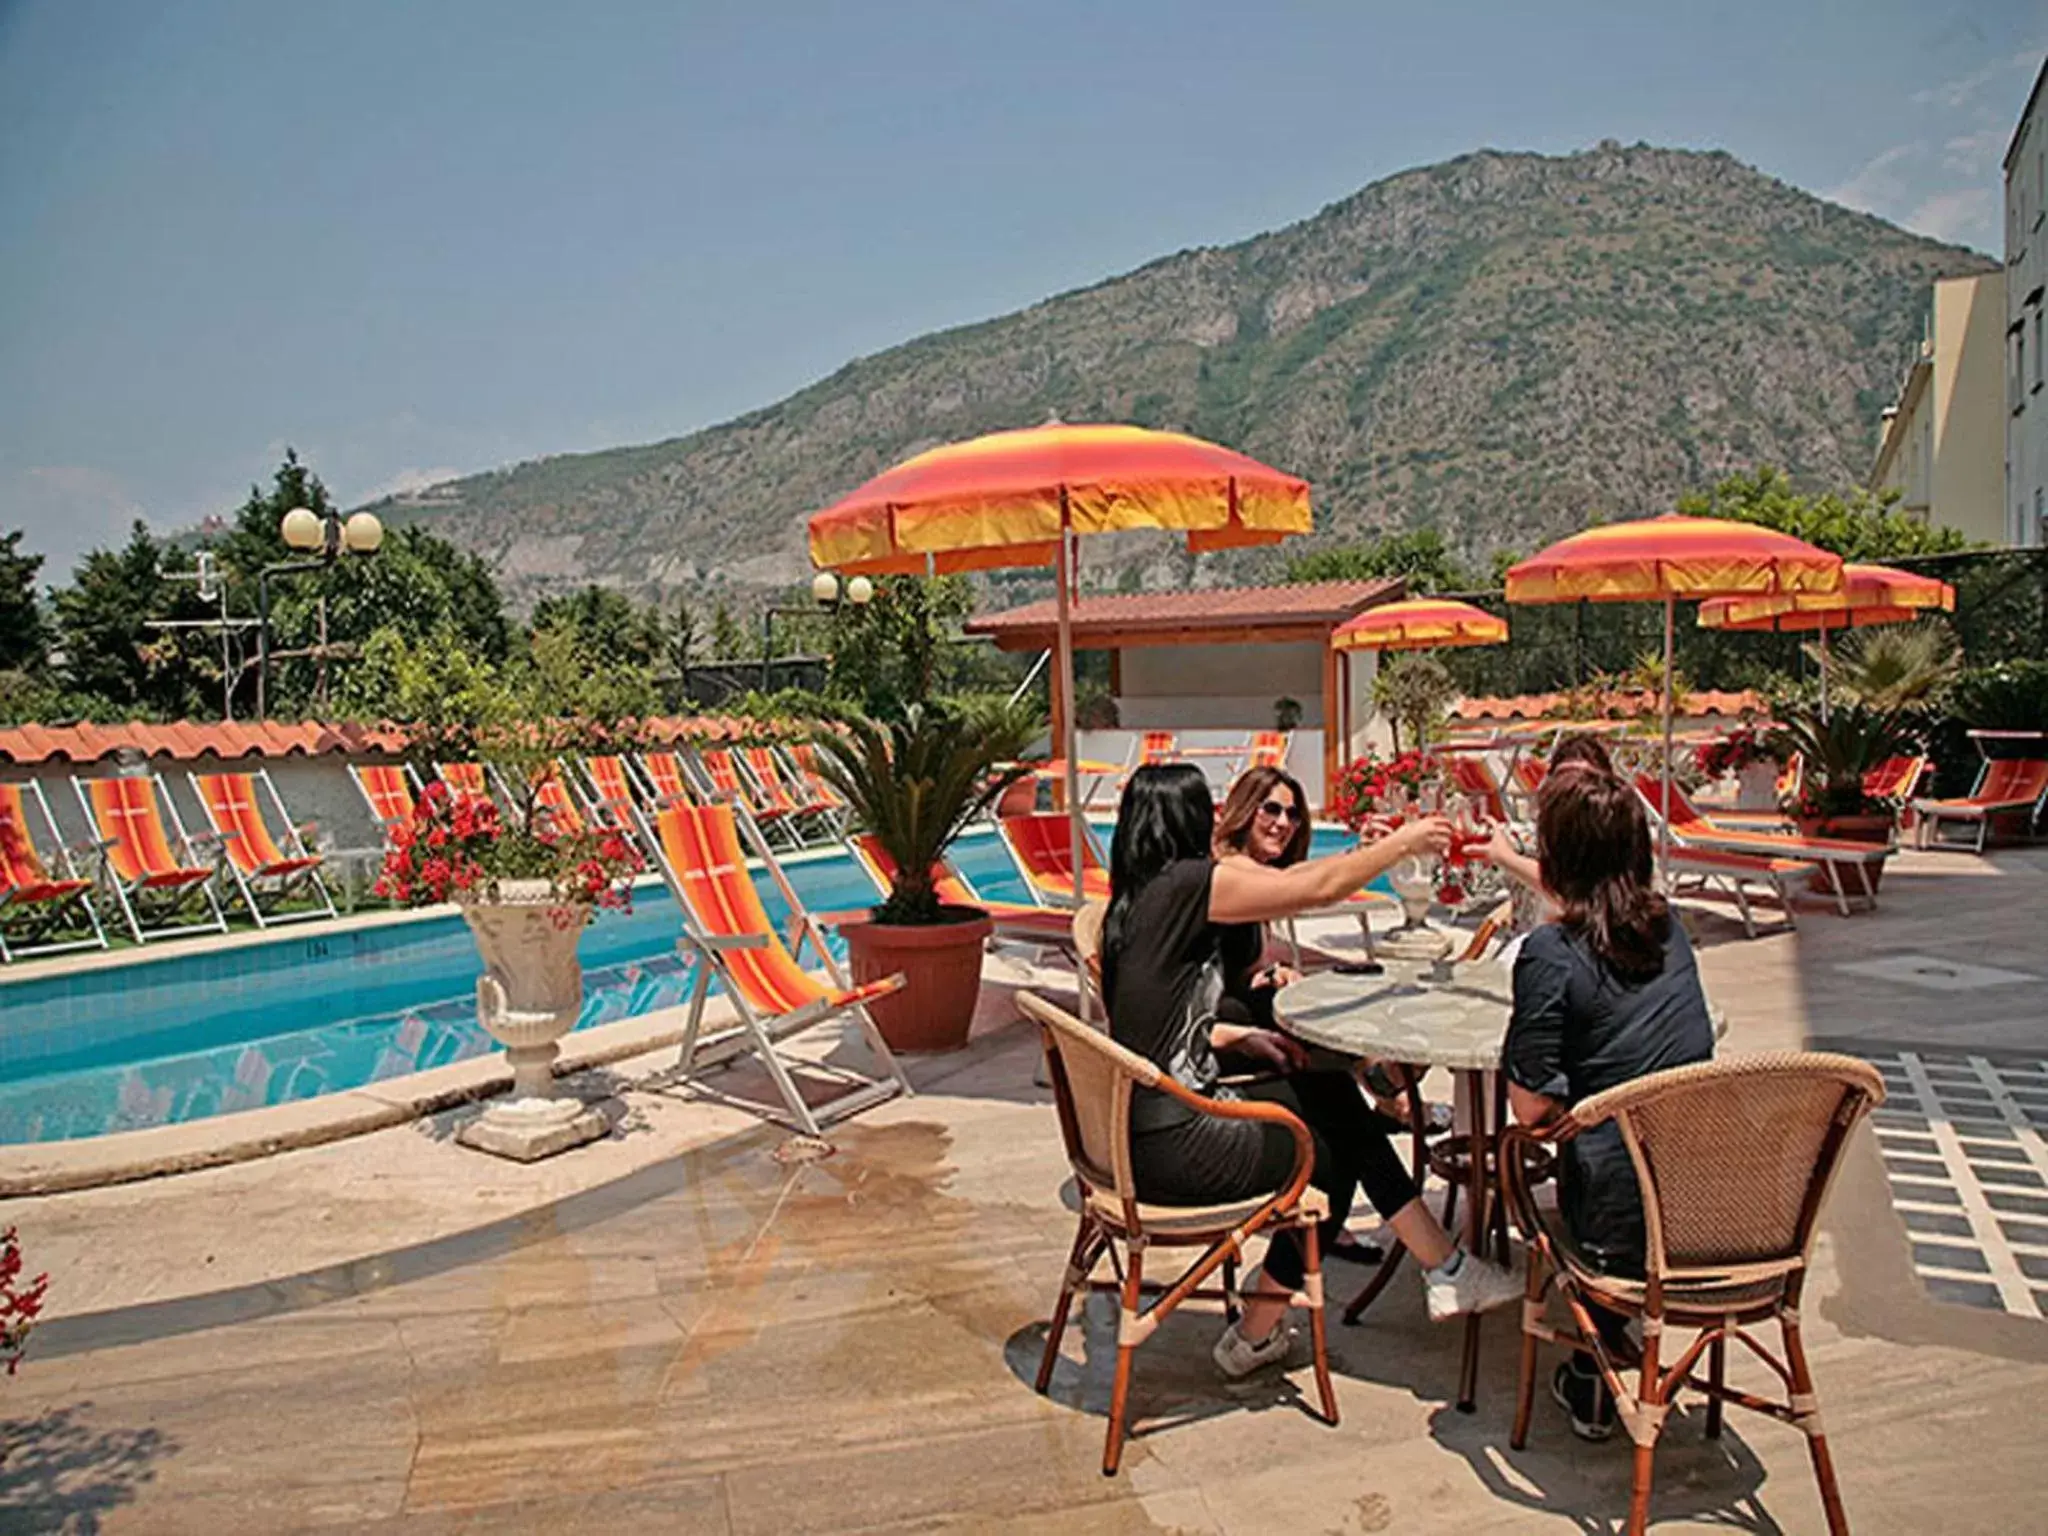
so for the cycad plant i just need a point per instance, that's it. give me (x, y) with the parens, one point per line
(915, 783)
(1900, 667)
(1840, 748)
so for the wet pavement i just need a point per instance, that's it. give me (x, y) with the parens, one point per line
(747, 1337)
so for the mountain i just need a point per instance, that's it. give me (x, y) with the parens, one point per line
(1500, 346)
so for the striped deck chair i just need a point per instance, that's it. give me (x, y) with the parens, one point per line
(469, 781)
(2015, 788)
(1040, 844)
(1268, 750)
(1026, 923)
(554, 795)
(611, 790)
(1157, 747)
(266, 874)
(389, 789)
(668, 782)
(151, 884)
(39, 904)
(803, 755)
(779, 788)
(1690, 829)
(1470, 776)
(698, 851)
(721, 771)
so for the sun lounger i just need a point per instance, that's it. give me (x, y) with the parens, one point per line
(1734, 873)
(389, 789)
(40, 898)
(2013, 788)
(699, 853)
(1690, 830)
(1040, 844)
(1895, 779)
(152, 884)
(267, 875)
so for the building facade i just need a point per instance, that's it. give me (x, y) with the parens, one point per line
(2026, 271)
(1943, 448)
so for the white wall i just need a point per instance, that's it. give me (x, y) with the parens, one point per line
(1218, 686)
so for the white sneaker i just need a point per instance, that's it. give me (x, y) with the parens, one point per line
(1478, 1286)
(1237, 1357)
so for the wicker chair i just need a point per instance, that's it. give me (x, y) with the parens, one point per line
(1088, 920)
(1733, 1160)
(1092, 1080)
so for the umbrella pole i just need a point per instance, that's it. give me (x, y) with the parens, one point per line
(1664, 821)
(1062, 569)
(1823, 674)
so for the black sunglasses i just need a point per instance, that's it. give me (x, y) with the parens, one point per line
(1279, 811)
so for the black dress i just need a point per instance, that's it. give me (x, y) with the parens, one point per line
(1578, 1029)
(1174, 976)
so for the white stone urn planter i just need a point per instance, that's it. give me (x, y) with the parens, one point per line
(528, 997)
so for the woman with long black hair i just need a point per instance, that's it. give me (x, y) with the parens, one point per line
(1606, 993)
(1173, 911)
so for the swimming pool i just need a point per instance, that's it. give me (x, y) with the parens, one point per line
(180, 1036)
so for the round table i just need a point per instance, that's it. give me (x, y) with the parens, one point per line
(1458, 1024)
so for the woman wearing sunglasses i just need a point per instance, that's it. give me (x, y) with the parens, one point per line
(1181, 924)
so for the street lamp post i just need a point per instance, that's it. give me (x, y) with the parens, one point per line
(325, 536)
(827, 594)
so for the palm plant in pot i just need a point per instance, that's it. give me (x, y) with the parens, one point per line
(913, 784)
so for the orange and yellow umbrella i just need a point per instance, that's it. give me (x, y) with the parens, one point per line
(1419, 623)
(1869, 594)
(1671, 557)
(1022, 497)
(1006, 499)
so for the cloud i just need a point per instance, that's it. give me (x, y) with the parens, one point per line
(1975, 154)
(407, 480)
(1964, 216)
(1879, 182)
(1965, 89)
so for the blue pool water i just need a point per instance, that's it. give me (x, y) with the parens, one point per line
(184, 1036)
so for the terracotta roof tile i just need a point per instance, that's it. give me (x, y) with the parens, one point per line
(1315, 602)
(1619, 704)
(184, 740)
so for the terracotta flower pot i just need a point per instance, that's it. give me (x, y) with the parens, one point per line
(941, 966)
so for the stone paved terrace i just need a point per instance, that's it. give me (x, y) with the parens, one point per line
(678, 1330)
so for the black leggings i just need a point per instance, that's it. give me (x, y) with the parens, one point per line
(1208, 1160)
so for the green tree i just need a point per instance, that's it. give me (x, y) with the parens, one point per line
(728, 639)
(110, 650)
(1859, 526)
(893, 651)
(606, 625)
(24, 636)
(1414, 690)
(1418, 556)
(252, 540)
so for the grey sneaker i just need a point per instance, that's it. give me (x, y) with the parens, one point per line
(1237, 1357)
(1479, 1286)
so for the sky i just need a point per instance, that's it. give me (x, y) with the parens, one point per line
(418, 238)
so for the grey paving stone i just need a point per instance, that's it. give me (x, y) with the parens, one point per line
(1935, 1194)
(1964, 1293)
(1936, 1223)
(1951, 1256)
